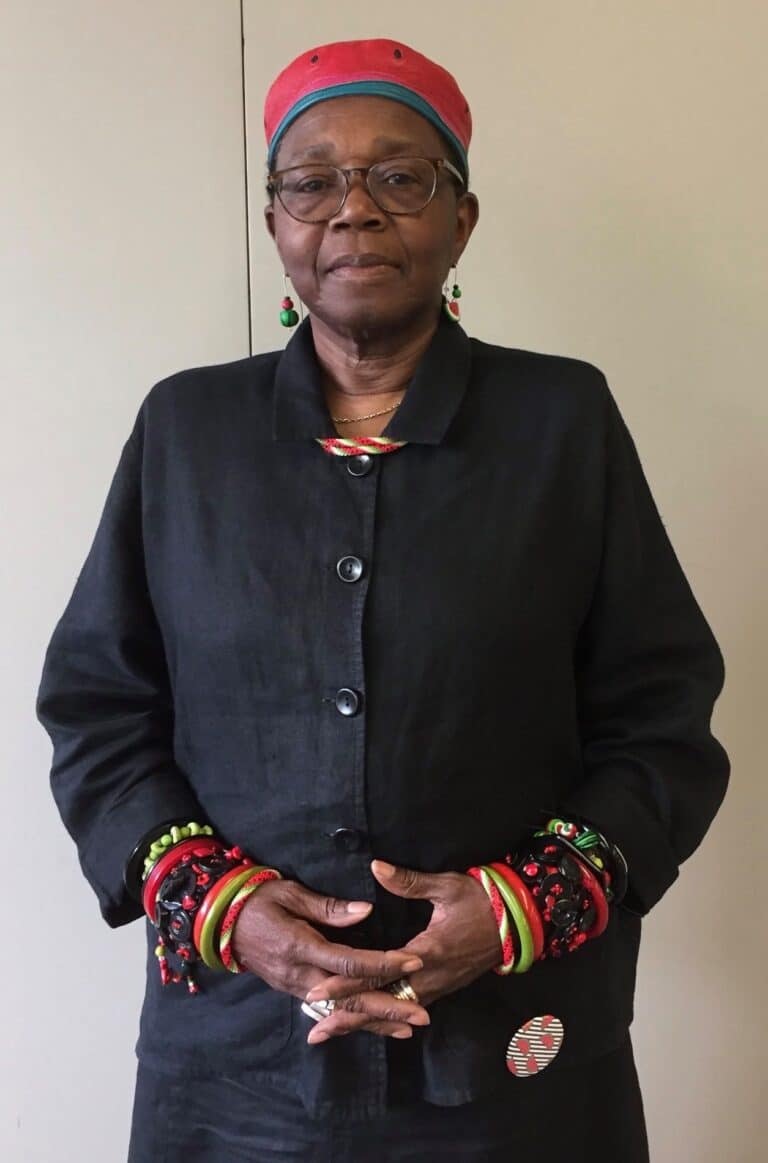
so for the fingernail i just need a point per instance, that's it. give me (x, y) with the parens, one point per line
(358, 907)
(316, 994)
(318, 1037)
(420, 1020)
(384, 868)
(412, 966)
(403, 1034)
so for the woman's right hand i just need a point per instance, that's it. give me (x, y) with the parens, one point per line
(274, 937)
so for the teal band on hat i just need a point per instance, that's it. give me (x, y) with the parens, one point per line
(370, 89)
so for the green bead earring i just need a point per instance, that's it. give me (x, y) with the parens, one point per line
(288, 315)
(451, 306)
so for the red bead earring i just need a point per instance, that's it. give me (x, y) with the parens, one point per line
(451, 305)
(288, 314)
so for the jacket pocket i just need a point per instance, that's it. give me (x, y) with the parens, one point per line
(234, 1019)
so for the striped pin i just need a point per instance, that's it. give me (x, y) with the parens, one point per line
(535, 1046)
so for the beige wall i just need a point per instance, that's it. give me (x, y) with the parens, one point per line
(619, 162)
(122, 231)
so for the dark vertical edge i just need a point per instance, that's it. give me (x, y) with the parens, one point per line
(245, 173)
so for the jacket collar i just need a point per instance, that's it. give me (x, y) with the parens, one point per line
(430, 402)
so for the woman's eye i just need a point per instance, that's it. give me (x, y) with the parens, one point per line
(311, 185)
(400, 178)
(307, 182)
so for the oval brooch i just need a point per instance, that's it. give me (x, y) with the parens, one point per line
(535, 1045)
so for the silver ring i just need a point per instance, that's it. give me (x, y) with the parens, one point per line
(318, 1009)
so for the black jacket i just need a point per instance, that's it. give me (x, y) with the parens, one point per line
(521, 640)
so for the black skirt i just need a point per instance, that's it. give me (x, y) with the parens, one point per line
(581, 1114)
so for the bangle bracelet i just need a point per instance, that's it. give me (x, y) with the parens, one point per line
(557, 882)
(169, 839)
(215, 906)
(594, 888)
(132, 873)
(197, 847)
(184, 885)
(518, 915)
(502, 920)
(587, 842)
(528, 904)
(226, 932)
(207, 903)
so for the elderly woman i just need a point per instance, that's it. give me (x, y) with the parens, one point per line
(382, 693)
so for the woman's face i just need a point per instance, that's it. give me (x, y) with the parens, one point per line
(418, 249)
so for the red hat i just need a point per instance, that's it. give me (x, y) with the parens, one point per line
(379, 68)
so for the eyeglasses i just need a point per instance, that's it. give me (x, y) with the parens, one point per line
(398, 185)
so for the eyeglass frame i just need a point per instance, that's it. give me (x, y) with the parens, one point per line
(437, 163)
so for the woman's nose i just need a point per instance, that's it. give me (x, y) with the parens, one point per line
(359, 208)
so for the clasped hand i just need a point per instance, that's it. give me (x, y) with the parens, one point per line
(275, 937)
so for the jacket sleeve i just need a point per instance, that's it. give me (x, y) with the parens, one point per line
(104, 698)
(648, 672)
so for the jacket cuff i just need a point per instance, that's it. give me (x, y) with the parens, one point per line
(622, 811)
(117, 834)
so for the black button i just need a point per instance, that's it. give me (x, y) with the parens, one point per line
(349, 569)
(348, 839)
(564, 913)
(347, 701)
(358, 466)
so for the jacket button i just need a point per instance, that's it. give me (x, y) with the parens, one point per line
(359, 465)
(348, 839)
(349, 569)
(347, 701)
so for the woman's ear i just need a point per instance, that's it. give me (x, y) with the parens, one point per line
(269, 218)
(467, 215)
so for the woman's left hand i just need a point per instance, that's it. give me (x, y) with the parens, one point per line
(460, 943)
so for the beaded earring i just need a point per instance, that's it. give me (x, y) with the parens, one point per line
(451, 305)
(288, 314)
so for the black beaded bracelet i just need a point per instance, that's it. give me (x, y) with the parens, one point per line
(585, 841)
(178, 900)
(570, 912)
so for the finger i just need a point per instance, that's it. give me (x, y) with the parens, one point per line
(377, 1011)
(366, 964)
(311, 975)
(387, 1029)
(338, 987)
(407, 882)
(379, 1004)
(327, 910)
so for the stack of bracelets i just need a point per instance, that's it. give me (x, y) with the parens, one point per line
(548, 899)
(192, 888)
(553, 895)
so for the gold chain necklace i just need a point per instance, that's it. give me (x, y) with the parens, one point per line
(370, 416)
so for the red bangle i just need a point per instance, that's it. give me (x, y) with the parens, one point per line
(207, 902)
(233, 912)
(201, 847)
(593, 886)
(528, 903)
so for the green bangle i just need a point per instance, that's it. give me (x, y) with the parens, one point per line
(519, 917)
(208, 943)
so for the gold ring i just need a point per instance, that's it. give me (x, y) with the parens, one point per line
(403, 990)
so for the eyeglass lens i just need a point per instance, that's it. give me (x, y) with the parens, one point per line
(398, 185)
